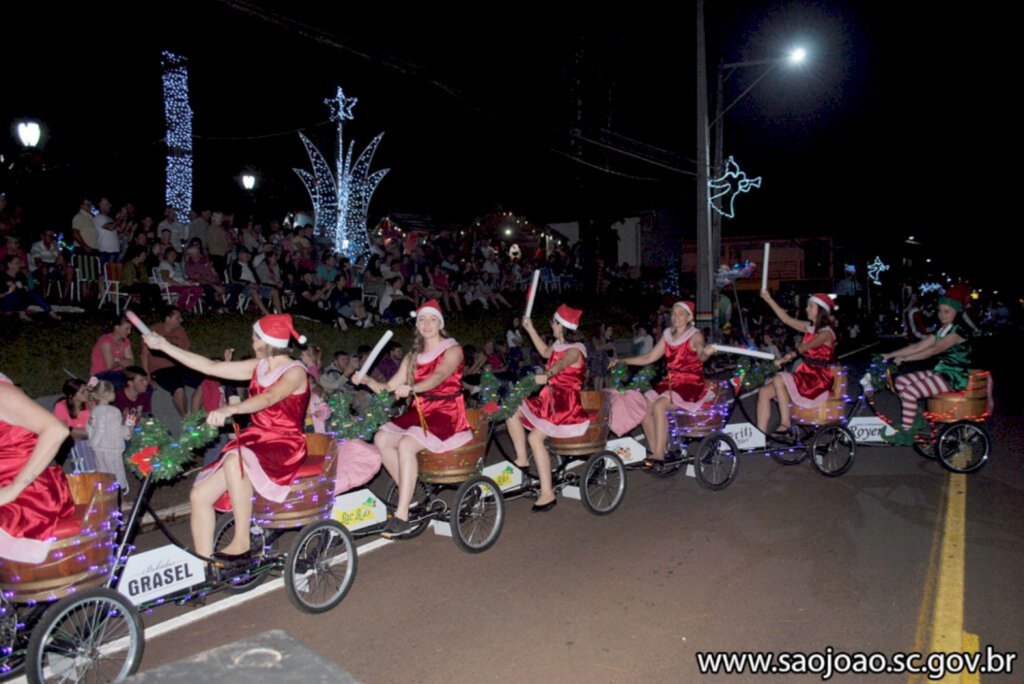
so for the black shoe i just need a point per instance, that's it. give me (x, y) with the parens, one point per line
(232, 558)
(545, 508)
(396, 528)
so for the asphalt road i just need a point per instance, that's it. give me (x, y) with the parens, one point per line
(783, 560)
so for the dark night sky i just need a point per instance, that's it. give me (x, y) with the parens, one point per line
(876, 136)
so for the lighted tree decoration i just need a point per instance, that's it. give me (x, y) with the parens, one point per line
(341, 199)
(178, 116)
(726, 187)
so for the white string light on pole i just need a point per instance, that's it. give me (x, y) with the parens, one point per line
(178, 115)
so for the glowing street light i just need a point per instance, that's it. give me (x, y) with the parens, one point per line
(797, 56)
(29, 133)
(248, 181)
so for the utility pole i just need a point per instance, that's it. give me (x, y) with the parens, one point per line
(705, 269)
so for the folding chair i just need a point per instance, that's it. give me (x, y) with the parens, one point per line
(112, 286)
(87, 270)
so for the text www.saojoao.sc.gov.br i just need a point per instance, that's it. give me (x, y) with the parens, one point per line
(830, 662)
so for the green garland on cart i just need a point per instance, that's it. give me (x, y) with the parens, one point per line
(153, 449)
(489, 389)
(348, 426)
(519, 392)
(753, 373)
(641, 381)
(878, 373)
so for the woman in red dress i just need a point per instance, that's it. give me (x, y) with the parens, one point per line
(808, 386)
(34, 495)
(268, 453)
(684, 350)
(558, 410)
(432, 375)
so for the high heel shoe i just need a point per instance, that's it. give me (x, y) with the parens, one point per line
(545, 507)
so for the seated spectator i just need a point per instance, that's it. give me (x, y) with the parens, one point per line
(394, 304)
(112, 353)
(335, 376)
(173, 277)
(327, 272)
(199, 269)
(167, 373)
(134, 280)
(271, 280)
(16, 296)
(136, 397)
(47, 263)
(241, 273)
(389, 363)
(73, 411)
(313, 300)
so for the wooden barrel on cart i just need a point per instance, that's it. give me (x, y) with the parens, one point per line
(970, 404)
(312, 494)
(457, 465)
(707, 418)
(83, 552)
(592, 441)
(832, 410)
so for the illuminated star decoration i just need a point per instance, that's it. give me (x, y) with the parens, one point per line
(341, 199)
(178, 115)
(932, 287)
(875, 269)
(341, 106)
(733, 182)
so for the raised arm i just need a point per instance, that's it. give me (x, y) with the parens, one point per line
(794, 323)
(542, 348)
(233, 370)
(18, 410)
(571, 358)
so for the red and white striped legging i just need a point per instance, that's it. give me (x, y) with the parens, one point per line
(918, 385)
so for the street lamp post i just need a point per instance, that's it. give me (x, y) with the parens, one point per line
(712, 220)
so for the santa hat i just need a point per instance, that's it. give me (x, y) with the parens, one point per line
(276, 330)
(568, 316)
(824, 301)
(431, 307)
(686, 305)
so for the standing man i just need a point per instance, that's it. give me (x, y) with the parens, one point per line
(107, 239)
(84, 228)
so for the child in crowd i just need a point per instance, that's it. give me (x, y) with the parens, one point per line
(107, 434)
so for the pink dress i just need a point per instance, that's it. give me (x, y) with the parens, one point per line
(273, 447)
(443, 408)
(28, 522)
(810, 383)
(558, 410)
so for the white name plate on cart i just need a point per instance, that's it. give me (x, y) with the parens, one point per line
(746, 436)
(505, 475)
(628, 449)
(359, 509)
(868, 429)
(160, 572)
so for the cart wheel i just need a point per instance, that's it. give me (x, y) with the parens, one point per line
(926, 449)
(477, 514)
(604, 483)
(964, 446)
(420, 500)
(832, 450)
(222, 537)
(76, 639)
(717, 461)
(12, 658)
(320, 567)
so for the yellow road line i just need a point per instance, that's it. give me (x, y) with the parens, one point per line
(941, 616)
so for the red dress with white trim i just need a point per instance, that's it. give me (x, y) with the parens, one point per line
(29, 521)
(443, 409)
(273, 447)
(558, 410)
(684, 385)
(810, 383)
